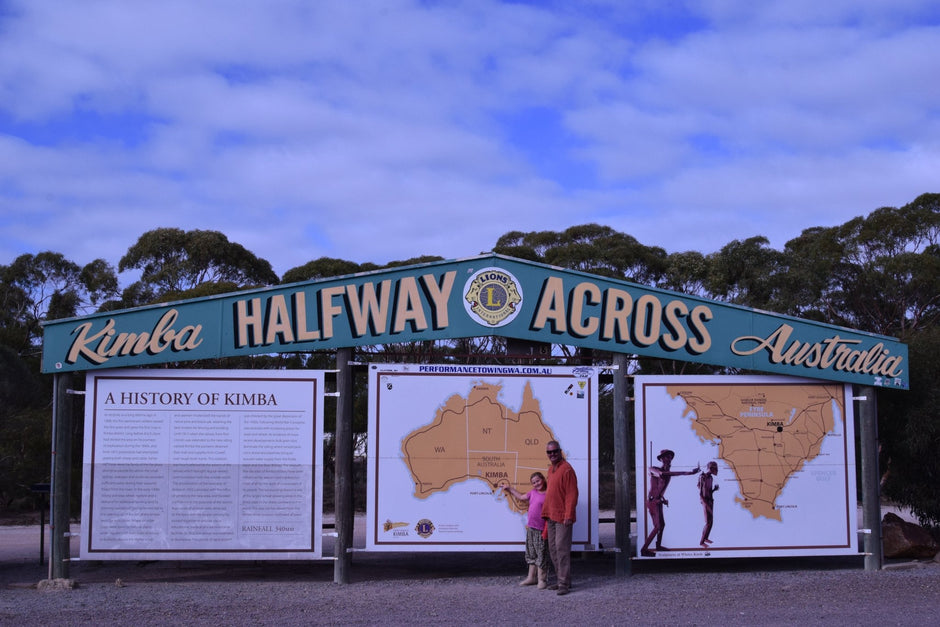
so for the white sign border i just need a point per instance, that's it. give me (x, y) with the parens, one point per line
(316, 377)
(846, 524)
(588, 485)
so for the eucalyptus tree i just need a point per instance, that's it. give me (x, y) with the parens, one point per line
(15, 327)
(47, 286)
(881, 273)
(909, 433)
(172, 262)
(687, 272)
(588, 248)
(746, 273)
(530, 246)
(35, 288)
(324, 268)
(892, 285)
(816, 271)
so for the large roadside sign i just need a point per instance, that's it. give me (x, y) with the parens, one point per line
(485, 295)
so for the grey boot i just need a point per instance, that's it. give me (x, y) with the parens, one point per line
(543, 578)
(530, 580)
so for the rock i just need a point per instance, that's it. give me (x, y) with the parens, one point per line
(902, 539)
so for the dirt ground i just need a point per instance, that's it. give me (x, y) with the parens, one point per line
(462, 589)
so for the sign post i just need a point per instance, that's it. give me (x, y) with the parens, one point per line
(621, 466)
(871, 490)
(343, 456)
(59, 535)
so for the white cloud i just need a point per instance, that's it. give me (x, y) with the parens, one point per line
(377, 130)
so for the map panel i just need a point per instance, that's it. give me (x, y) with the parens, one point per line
(443, 440)
(784, 474)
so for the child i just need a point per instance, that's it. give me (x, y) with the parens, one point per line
(706, 490)
(536, 546)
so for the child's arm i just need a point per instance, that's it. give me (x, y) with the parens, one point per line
(516, 493)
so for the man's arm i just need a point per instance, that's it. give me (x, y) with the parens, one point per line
(677, 473)
(571, 496)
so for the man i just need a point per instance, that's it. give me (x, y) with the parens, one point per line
(706, 494)
(659, 481)
(561, 500)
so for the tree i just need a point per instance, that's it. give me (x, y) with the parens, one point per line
(815, 269)
(35, 288)
(909, 431)
(744, 273)
(47, 286)
(15, 327)
(686, 272)
(323, 268)
(413, 261)
(588, 248)
(891, 282)
(173, 261)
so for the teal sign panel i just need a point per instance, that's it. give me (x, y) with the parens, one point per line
(484, 295)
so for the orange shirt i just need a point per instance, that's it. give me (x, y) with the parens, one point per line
(561, 497)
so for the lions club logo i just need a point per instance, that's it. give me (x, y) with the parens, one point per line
(492, 297)
(424, 528)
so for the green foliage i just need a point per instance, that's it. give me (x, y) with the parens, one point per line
(909, 429)
(47, 286)
(173, 261)
(589, 248)
(202, 290)
(810, 287)
(329, 267)
(413, 261)
(888, 282)
(18, 385)
(24, 433)
(686, 272)
(24, 456)
(322, 268)
(744, 272)
(100, 280)
(16, 327)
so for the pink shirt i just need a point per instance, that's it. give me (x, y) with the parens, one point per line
(536, 500)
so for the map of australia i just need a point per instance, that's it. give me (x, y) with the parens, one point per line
(764, 433)
(476, 437)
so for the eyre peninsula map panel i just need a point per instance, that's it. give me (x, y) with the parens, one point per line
(783, 452)
(765, 433)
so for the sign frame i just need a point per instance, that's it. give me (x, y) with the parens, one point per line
(814, 500)
(203, 464)
(468, 513)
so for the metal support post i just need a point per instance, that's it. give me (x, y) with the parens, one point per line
(621, 466)
(343, 497)
(871, 483)
(59, 534)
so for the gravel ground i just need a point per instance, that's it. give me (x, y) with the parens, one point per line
(463, 589)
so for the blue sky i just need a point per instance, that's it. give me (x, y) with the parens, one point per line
(383, 130)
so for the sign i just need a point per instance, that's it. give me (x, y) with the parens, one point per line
(202, 464)
(486, 295)
(444, 440)
(744, 467)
